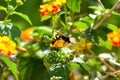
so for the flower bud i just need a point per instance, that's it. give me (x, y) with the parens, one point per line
(19, 2)
(8, 0)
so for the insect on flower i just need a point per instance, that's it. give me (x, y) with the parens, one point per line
(60, 40)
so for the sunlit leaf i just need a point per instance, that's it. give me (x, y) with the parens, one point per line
(43, 18)
(74, 5)
(107, 44)
(113, 12)
(11, 65)
(42, 30)
(107, 10)
(112, 27)
(3, 8)
(80, 25)
(87, 19)
(24, 16)
(96, 8)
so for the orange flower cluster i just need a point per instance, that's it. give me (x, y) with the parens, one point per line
(26, 34)
(114, 37)
(7, 46)
(53, 7)
(59, 43)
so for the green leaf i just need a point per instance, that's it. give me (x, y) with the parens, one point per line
(11, 65)
(59, 70)
(80, 24)
(73, 65)
(96, 8)
(43, 18)
(24, 16)
(107, 44)
(45, 29)
(87, 19)
(112, 27)
(102, 33)
(15, 32)
(3, 8)
(74, 5)
(42, 30)
(117, 52)
(31, 68)
(91, 35)
(86, 67)
(113, 12)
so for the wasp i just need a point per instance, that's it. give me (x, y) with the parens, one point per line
(60, 40)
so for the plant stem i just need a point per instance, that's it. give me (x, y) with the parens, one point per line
(106, 64)
(66, 22)
(9, 12)
(96, 26)
(65, 9)
(112, 73)
(53, 25)
(102, 6)
(62, 23)
(102, 61)
(118, 53)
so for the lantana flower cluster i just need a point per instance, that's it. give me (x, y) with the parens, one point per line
(114, 37)
(7, 46)
(27, 35)
(52, 7)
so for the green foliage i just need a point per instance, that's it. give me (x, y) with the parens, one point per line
(74, 5)
(95, 8)
(41, 30)
(81, 25)
(33, 66)
(3, 8)
(10, 29)
(67, 44)
(23, 16)
(107, 44)
(11, 65)
(91, 35)
(112, 27)
(45, 18)
(59, 70)
(15, 32)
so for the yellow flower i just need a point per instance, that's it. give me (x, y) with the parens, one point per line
(43, 8)
(44, 1)
(89, 45)
(61, 1)
(7, 46)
